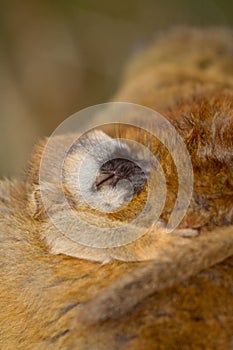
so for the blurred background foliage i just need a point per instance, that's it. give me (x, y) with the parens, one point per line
(57, 57)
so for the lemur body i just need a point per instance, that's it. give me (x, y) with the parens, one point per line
(54, 296)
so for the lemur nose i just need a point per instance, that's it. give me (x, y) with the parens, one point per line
(118, 169)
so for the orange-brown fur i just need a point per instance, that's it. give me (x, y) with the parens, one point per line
(60, 302)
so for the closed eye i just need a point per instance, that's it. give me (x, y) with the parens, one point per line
(118, 169)
(103, 178)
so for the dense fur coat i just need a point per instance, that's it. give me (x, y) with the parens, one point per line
(182, 299)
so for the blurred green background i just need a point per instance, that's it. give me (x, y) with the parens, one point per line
(57, 57)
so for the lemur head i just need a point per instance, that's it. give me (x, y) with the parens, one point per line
(104, 172)
(99, 180)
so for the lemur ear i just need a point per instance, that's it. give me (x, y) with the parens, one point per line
(55, 145)
(33, 168)
(32, 180)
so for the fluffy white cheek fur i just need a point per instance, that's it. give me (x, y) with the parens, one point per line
(110, 199)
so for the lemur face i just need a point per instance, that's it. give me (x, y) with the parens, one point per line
(104, 172)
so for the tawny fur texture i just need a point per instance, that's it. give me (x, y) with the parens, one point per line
(183, 299)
